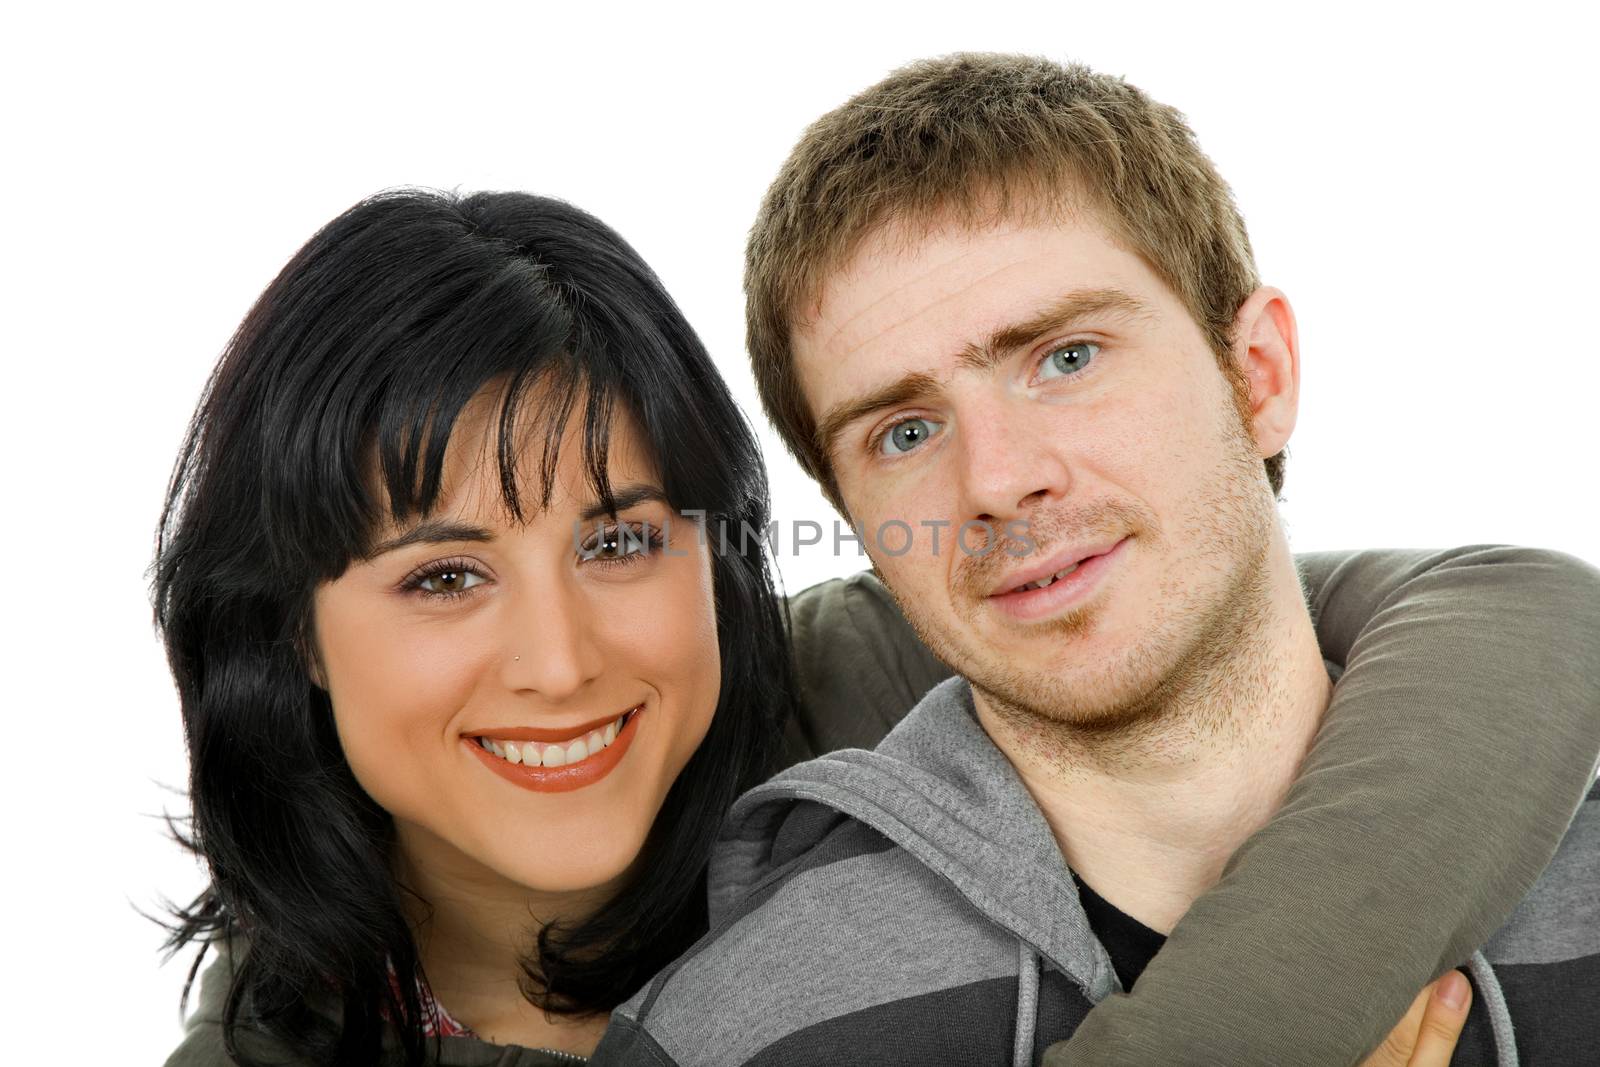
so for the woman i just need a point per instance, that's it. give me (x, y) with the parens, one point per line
(466, 693)
(293, 587)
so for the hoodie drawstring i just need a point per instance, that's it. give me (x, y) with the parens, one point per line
(1027, 1004)
(1494, 999)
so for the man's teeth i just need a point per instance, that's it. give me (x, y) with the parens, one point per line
(1049, 579)
(555, 754)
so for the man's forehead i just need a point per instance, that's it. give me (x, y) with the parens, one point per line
(967, 222)
(950, 287)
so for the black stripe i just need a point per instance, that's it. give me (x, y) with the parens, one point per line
(1062, 1007)
(969, 1024)
(1555, 1010)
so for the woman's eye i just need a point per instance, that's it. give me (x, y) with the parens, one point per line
(450, 581)
(620, 543)
(907, 435)
(1067, 359)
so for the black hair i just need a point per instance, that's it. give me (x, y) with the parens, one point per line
(369, 343)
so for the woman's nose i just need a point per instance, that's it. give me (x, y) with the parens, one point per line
(548, 646)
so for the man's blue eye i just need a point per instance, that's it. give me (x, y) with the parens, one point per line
(1068, 359)
(907, 435)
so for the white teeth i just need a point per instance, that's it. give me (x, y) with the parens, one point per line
(1049, 579)
(534, 754)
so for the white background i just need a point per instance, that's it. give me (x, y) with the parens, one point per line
(1419, 179)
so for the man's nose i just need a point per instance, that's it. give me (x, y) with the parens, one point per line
(1011, 460)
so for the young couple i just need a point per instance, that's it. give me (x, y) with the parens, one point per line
(462, 776)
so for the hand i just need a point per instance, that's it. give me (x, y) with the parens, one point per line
(1427, 1035)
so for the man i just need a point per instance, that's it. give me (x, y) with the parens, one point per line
(1001, 299)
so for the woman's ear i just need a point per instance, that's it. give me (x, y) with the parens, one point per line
(1267, 349)
(305, 646)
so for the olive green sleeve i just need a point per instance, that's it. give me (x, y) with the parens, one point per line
(1460, 740)
(858, 665)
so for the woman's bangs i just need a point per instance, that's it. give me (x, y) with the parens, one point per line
(533, 407)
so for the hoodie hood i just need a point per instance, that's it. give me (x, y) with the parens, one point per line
(940, 789)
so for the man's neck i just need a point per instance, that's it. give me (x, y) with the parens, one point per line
(1150, 819)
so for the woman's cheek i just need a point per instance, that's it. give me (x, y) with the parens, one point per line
(395, 692)
(671, 629)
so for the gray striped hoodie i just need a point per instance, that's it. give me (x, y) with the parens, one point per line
(910, 905)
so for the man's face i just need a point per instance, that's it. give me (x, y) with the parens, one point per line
(1040, 374)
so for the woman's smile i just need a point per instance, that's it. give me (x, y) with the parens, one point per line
(552, 760)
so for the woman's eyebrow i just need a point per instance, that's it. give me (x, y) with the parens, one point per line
(622, 499)
(431, 532)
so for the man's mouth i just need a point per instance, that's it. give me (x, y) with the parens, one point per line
(1048, 572)
(1064, 583)
(1047, 580)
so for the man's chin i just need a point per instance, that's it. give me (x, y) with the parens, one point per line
(1080, 675)
(1093, 705)
(1069, 642)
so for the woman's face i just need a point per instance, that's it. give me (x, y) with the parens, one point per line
(521, 697)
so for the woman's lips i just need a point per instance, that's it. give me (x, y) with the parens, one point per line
(1062, 594)
(569, 776)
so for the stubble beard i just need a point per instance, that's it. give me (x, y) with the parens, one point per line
(1203, 649)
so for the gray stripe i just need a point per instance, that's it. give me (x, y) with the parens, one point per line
(1559, 919)
(1494, 999)
(834, 940)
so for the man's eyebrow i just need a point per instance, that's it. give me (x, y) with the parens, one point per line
(432, 532)
(623, 499)
(898, 392)
(1066, 311)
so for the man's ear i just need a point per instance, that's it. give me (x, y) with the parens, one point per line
(1266, 348)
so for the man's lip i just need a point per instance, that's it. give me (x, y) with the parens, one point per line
(1060, 561)
(549, 734)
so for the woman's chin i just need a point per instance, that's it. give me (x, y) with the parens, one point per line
(570, 867)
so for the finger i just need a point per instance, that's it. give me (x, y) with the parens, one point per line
(1441, 1025)
(1397, 1047)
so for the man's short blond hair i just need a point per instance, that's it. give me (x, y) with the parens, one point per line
(984, 137)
